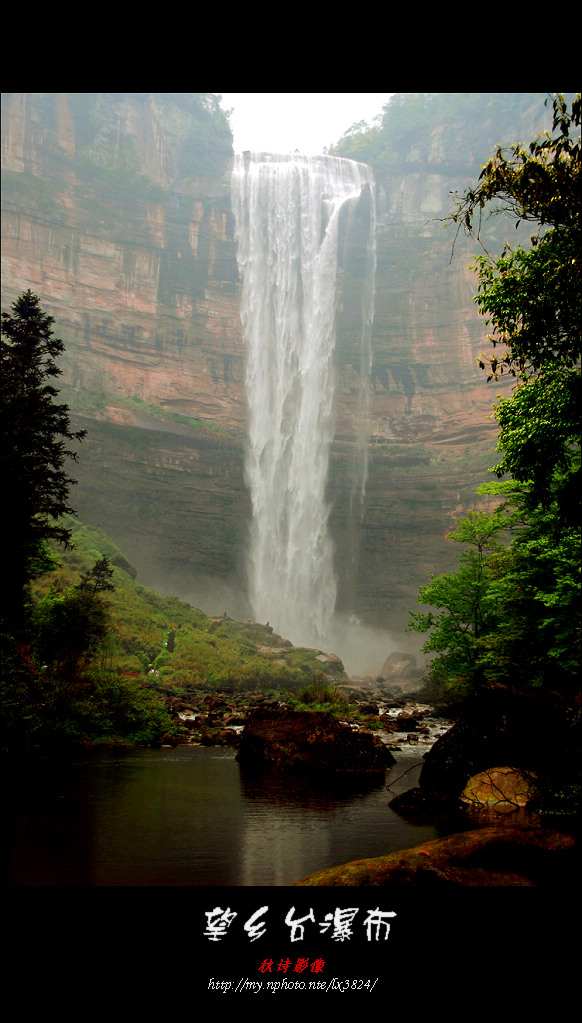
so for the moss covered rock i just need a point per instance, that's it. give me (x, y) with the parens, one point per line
(309, 741)
(508, 857)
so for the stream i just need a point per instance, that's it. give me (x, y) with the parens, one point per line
(191, 816)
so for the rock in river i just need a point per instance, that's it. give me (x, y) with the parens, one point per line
(309, 741)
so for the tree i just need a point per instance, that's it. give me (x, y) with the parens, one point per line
(510, 614)
(535, 598)
(533, 299)
(71, 626)
(35, 434)
(513, 615)
(466, 612)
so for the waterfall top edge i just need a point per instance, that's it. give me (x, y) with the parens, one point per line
(268, 157)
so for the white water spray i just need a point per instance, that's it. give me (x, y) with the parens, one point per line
(287, 211)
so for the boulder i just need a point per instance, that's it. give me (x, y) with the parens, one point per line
(219, 737)
(533, 730)
(499, 790)
(406, 722)
(309, 741)
(369, 708)
(424, 806)
(502, 857)
(399, 666)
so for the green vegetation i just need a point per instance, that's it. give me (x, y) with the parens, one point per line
(206, 147)
(200, 128)
(51, 641)
(104, 183)
(170, 644)
(106, 172)
(88, 654)
(29, 187)
(36, 441)
(404, 137)
(96, 401)
(511, 613)
(322, 696)
(104, 654)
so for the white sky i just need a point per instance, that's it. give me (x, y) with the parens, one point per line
(281, 122)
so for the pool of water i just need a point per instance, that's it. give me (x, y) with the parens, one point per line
(191, 816)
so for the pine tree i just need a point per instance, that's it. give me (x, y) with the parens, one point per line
(35, 433)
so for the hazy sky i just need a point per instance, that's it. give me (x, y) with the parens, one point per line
(281, 122)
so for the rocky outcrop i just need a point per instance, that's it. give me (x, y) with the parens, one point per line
(309, 741)
(107, 217)
(488, 857)
(132, 255)
(401, 670)
(535, 731)
(510, 755)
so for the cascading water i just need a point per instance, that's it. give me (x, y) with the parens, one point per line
(287, 211)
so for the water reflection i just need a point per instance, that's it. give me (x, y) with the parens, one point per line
(191, 817)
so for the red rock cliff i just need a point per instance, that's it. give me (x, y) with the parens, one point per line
(116, 212)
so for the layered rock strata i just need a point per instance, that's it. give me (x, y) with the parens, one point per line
(109, 218)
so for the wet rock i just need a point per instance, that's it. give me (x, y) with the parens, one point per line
(230, 720)
(331, 661)
(534, 731)
(310, 741)
(169, 739)
(507, 857)
(215, 703)
(423, 806)
(368, 708)
(406, 722)
(499, 790)
(219, 737)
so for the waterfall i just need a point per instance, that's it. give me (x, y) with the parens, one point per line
(287, 211)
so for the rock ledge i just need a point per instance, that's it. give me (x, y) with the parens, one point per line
(486, 857)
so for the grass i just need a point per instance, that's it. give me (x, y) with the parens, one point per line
(206, 653)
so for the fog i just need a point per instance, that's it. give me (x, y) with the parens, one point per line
(311, 122)
(362, 647)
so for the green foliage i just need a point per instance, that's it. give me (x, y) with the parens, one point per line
(533, 299)
(117, 707)
(538, 183)
(103, 185)
(322, 695)
(512, 614)
(463, 602)
(225, 659)
(431, 130)
(68, 628)
(539, 437)
(35, 432)
(206, 653)
(536, 594)
(56, 691)
(49, 641)
(21, 697)
(199, 128)
(207, 146)
(29, 188)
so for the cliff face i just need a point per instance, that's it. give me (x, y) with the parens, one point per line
(141, 280)
(116, 212)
